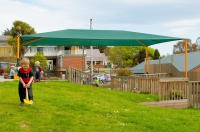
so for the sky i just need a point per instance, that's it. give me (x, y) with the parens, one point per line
(175, 18)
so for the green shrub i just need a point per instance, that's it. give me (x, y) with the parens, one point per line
(124, 72)
(41, 58)
(7, 70)
(144, 92)
(175, 94)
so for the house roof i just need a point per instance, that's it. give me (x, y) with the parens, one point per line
(140, 68)
(3, 40)
(85, 37)
(97, 56)
(178, 62)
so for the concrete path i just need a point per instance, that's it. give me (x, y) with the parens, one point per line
(3, 80)
(182, 103)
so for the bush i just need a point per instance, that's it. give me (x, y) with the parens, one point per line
(41, 58)
(144, 92)
(174, 94)
(7, 70)
(124, 72)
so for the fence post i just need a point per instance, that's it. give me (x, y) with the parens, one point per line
(69, 75)
(189, 94)
(159, 90)
(112, 80)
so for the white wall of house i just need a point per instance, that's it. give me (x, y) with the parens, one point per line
(52, 51)
(46, 50)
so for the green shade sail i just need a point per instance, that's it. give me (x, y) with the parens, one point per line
(84, 37)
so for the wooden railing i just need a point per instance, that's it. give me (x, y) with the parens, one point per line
(194, 94)
(173, 88)
(155, 75)
(166, 88)
(78, 76)
(135, 84)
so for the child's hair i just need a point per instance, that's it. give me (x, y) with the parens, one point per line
(25, 61)
(37, 63)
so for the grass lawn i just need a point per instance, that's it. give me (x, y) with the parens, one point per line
(65, 107)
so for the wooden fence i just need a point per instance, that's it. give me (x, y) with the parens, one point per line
(194, 94)
(166, 88)
(135, 84)
(173, 71)
(154, 75)
(173, 88)
(78, 76)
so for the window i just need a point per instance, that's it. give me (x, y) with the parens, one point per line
(98, 62)
(67, 48)
(40, 49)
(33, 50)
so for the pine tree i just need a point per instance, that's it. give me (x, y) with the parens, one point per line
(156, 55)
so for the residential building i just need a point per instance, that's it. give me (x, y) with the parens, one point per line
(3, 40)
(6, 51)
(100, 60)
(60, 57)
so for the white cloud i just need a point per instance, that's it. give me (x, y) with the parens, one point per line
(165, 17)
(65, 3)
(182, 31)
(185, 22)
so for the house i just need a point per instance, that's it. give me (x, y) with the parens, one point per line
(100, 60)
(176, 60)
(3, 40)
(140, 68)
(60, 57)
(6, 51)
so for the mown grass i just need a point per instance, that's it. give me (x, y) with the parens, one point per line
(66, 107)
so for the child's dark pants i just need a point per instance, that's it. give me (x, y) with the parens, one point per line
(22, 92)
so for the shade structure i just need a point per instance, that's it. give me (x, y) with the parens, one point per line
(84, 37)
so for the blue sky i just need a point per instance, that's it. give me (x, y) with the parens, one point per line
(176, 18)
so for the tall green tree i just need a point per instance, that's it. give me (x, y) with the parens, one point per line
(41, 58)
(156, 55)
(123, 55)
(140, 57)
(107, 51)
(19, 28)
(6, 32)
(102, 48)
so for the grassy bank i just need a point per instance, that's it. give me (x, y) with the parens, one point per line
(66, 107)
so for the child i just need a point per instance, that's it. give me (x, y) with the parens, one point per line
(25, 74)
(38, 71)
(12, 71)
(96, 81)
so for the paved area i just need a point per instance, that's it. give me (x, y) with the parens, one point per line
(182, 103)
(2, 79)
